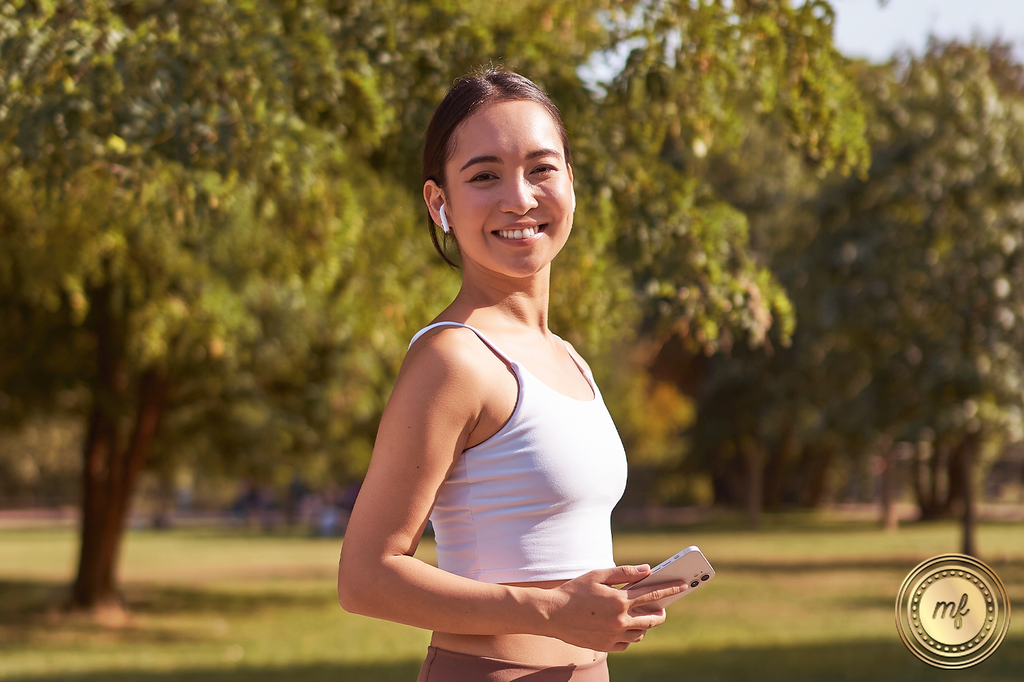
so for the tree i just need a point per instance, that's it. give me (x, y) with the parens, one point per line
(918, 268)
(686, 89)
(209, 210)
(903, 284)
(176, 230)
(701, 82)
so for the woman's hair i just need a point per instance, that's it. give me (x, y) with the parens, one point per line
(469, 95)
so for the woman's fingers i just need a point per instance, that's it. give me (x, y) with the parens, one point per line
(631, 637)
(597, 617)
(620, 575)
(645, 620)
(634, 636)
(644, 603)
(653, 593)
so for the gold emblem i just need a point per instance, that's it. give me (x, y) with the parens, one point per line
(952, 611)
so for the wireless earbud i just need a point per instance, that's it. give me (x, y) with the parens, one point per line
(444, 221)
(574, 201)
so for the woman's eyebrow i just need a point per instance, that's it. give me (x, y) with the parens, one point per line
(495, 159)
(543, 152)
(481, 159)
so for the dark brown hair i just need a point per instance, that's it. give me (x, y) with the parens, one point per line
(469, 95)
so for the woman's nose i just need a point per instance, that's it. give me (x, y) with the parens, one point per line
(518, 196)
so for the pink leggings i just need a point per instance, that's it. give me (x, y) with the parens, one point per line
(450, 666)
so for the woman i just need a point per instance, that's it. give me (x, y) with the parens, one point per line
(495, 429)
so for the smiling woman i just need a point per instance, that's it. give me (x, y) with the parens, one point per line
(467, 97)
(517, 194)
(495, 430)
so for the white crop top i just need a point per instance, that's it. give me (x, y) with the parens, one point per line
(533, 502)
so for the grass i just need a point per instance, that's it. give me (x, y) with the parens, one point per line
(804, 599)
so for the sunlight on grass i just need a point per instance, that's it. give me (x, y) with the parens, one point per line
(813, 599)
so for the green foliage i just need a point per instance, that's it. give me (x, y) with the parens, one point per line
(164, 152)
(904, 283)
(919, 272)
(688, 87)
(235, 186)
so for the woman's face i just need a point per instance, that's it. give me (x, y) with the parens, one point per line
(509, 198)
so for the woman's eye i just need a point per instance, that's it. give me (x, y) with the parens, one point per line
(483, 177)
(544, 169)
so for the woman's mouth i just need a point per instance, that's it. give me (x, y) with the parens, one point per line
(524, 233)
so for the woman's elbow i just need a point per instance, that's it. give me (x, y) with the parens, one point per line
(351, 593)
(349, 599)
(356, 586)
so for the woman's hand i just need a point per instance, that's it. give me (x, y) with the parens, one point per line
(590, 612)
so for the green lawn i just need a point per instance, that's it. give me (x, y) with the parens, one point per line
(802, 600)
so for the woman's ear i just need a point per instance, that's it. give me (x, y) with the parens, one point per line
(434, 198)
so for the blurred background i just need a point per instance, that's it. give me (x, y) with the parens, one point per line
(797, 271)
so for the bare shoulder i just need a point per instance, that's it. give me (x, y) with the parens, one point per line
(450, 358)
(434, 409)
(576, 356)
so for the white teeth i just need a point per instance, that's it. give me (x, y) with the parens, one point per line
(518, 234)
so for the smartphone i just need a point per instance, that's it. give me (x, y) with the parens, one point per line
(689, 565)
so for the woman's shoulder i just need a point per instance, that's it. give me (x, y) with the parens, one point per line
(451, 378)
(446, 340)
(451, 353)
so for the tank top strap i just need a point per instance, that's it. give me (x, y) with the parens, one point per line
(497, 351)
(583, 370)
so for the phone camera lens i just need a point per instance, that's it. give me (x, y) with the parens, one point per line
(695, 583)
(705, 577)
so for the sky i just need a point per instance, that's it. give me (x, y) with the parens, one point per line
(866, 28)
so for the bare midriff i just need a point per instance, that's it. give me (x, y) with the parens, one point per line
(530, 649)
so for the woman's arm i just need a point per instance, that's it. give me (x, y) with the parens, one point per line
(446, 389)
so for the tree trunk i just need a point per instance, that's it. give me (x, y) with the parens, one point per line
(887, 480)
(956, 488)
(94, 582)
(968, 458)
(935, 505)
(111, 469)
(753, 458)
(109, 479)
(775, 469)
(923, 450)
(929, 475)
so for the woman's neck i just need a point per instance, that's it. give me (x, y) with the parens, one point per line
(505, 300)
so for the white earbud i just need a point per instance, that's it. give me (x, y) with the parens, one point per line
(444, 221)
(574, 201)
